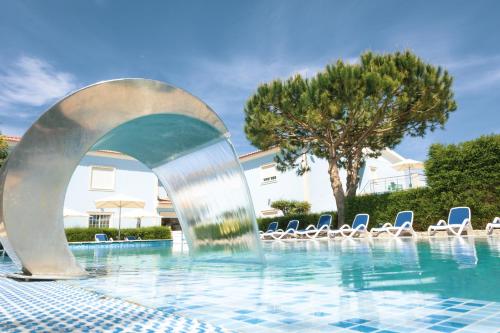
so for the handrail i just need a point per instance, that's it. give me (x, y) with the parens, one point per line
(401, 182)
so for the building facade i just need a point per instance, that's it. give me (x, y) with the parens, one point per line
(104, 174)
(267, 184)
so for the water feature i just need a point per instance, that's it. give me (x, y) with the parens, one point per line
(170, 131)
(214, 210)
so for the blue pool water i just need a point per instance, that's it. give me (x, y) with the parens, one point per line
(315, 286)
(384, 285)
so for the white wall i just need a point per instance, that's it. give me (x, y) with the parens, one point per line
(132, 178)
(314, 186)
(135, 179)
(383, 169)
(288, 185)
(76, 222)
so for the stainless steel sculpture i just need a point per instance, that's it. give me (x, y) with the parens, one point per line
(172, 132)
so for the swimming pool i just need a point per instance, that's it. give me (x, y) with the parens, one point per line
(445, 284)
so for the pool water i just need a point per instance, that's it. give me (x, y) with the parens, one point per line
(382, 285)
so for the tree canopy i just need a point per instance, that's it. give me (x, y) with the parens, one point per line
(291, 207)
(348, 112)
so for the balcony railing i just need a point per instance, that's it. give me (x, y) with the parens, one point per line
(396, 183)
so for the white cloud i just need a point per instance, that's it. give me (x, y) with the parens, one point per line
(231, 82)
(474, 61)
(33, 82)
(247, 73)
(476, 73)
(484, 80)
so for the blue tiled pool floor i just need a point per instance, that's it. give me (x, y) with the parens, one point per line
(447, 285)
(335, 311)
(347, 286)
(59, 307)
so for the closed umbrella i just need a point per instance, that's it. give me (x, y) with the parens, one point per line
(408, 164)
(120, 201)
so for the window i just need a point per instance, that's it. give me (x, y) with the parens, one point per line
(102, 178)
(99, 220)
(268, 173)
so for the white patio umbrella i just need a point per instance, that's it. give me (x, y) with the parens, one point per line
(120, 201)
(408, 164)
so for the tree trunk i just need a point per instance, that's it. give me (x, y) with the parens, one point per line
(338, 190)
(353, 166)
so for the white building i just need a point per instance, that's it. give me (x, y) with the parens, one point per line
(267, 184)
(103, 174)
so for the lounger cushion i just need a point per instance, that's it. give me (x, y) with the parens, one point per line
(360, 219)
(403, 217)
(458, 215)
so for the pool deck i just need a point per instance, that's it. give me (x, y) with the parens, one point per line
(60, 307)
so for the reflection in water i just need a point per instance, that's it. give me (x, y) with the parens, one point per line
(299, 270)
(351, 278)
(355, 259)
(494, 245)
(406, 250)
(111, 260)
(461, 249)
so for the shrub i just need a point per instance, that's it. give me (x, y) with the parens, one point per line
(467, 174)
(292, 207)
(87, 234)
(384, 207)
(304, 220)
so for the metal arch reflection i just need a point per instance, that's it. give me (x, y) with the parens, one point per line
(152, 121)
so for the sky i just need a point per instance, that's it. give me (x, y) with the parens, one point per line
(220, 51)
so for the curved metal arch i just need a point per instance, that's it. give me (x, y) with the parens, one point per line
(149, 120)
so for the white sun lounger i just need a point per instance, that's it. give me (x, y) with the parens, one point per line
(403, 223)
(102, 238)
(459, 220)
(273, 226)
(493, 225)
(323, 226)
(291, 230)
(359, 227)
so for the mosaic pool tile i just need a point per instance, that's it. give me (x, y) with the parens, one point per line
(247, 300)
(58, 307)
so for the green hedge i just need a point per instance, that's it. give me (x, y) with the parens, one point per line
(384, 207)
(466, 174)
(228, 229)
(87, 234)
(304, 220)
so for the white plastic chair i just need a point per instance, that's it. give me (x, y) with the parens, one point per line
(459, 220)
(403, 223)
(291, 230)
(359, 227)
(313, 231)
(493, 225)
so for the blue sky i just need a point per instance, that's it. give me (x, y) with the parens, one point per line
(221, 50)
